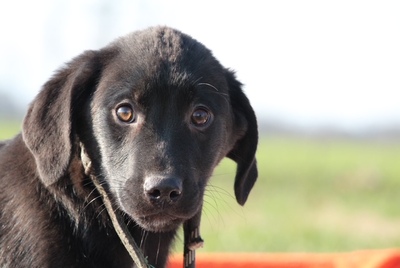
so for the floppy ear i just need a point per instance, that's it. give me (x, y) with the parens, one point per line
(48, 126)
(244, 150)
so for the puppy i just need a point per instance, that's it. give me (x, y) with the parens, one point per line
(156, 113)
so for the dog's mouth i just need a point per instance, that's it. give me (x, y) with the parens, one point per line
(159, 217)
(160, 222)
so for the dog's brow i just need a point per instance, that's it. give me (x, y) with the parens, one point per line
(209, 85)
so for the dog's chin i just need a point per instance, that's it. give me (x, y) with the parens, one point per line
(159, 223)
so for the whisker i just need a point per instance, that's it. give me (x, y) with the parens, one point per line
(209, 85)
(221, 191)
(197, 80)
(90, 202)
(158, 248)
(208, 214)
(143, 239)
(103, 208)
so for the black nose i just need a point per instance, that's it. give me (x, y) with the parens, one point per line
(163, 190)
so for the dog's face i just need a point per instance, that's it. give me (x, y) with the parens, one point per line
(157, 113)
(160, 139)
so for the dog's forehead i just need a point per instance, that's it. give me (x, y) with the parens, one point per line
(161, 61)
(164, 55)
(157, 44)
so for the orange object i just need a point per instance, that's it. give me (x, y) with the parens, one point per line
(389, 258)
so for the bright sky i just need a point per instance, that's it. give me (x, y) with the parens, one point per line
(307, 62)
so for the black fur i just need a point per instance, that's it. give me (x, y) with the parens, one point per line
(154, 167)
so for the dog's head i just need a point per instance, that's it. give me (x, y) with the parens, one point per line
(156, 113)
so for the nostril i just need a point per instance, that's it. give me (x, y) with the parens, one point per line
(174, 195)
(163, 189)
(154, 193)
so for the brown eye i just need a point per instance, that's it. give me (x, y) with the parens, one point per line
(200, 117)
(125, 114)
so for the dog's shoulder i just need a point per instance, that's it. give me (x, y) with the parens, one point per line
(19, 203)
(17, 177)
(14, 158)
(2, 144)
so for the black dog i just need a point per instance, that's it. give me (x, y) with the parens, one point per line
(156, 113)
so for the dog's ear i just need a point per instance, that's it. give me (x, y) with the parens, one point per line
(246, 131)
(48, 126)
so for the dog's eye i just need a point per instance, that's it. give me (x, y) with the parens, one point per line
(201, 117)
(125, 113)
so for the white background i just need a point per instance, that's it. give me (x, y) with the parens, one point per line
(306, 62)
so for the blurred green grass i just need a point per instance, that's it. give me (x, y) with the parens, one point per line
(311, 196)
(9, 128)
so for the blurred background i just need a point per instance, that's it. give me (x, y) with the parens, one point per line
(322, 76)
